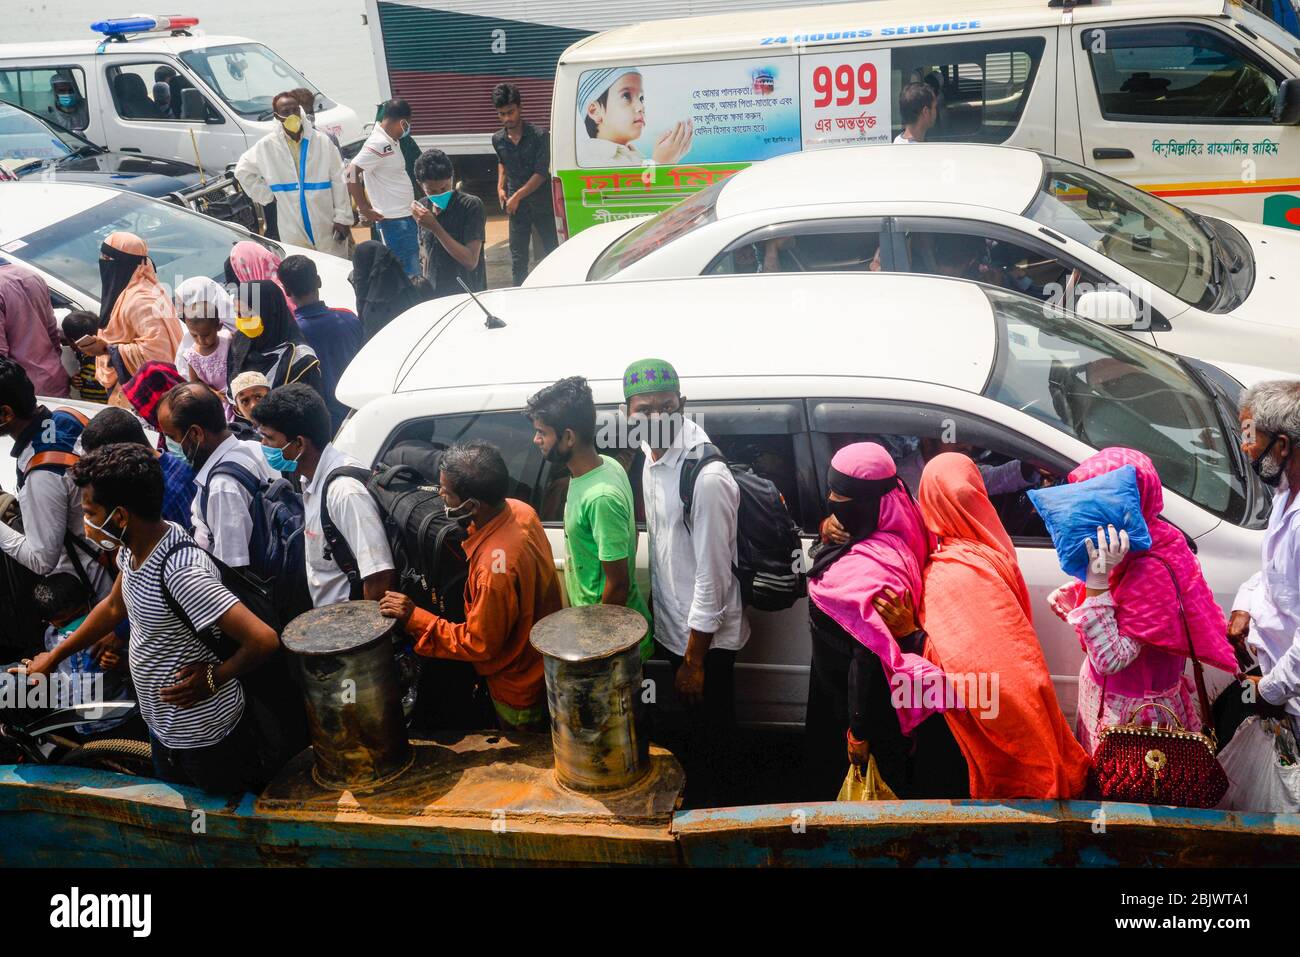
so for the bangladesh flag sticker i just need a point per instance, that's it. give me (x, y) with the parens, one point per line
(1282, 210)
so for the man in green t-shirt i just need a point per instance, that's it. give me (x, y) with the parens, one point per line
(599, 512)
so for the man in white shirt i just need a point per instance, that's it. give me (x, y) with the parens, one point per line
(382, 189)
(1265, 620)
(295, 427)
(699, 621)
(193, 417)
(918, 109)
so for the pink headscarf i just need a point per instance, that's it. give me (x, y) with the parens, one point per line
(893, 557)
(1146, 604)
(250, 261)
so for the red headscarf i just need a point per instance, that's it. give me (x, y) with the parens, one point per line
(976, 615)
(1146, 603)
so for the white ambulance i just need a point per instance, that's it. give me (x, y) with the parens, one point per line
(1193, 100)
(155, 85)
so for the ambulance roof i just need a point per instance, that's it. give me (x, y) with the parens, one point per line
(138, 44)
(886, 20)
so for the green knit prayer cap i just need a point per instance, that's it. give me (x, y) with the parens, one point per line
(650, 375)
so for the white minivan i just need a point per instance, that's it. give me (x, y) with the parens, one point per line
(162, 91)
(781, 370)
(1193, 100)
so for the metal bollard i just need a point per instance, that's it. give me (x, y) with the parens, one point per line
(593, 687)
(344, 656)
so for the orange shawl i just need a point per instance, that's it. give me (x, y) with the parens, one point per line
(143, 324)
(976, 613)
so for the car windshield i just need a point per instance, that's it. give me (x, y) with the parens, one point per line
(24, 139)
(181, 243)
(248, 76)
(691, 213)
(1105, 388)
(1157, 240)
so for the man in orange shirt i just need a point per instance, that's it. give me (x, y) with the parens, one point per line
(512, 583)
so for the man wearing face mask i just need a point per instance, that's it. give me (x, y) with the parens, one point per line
(451, 228)
(599, 511)
(378, 182)
(295, 426)
(45, 446)
(1265, 620)
(301, 172)
(114, 426)
(699, 620)
(511, 584)
(194, 423)
(69, 109)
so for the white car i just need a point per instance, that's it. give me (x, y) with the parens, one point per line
(781, 370)
(1198, 286)
(56, 229)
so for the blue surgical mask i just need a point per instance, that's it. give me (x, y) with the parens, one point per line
(174, 447)
(67, 100)
(72, 626)
(275, 458)
(441, 200)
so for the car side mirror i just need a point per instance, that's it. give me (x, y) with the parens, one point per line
(1110, 307)
(1286, 110)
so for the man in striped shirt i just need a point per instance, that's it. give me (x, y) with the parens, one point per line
(191, 699)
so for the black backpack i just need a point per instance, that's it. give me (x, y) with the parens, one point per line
(426, 544)
(276, 548)
(769, 553)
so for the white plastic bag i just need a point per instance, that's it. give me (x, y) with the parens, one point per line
(1262, 767)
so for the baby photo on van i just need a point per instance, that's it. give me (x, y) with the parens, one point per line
(612, 106)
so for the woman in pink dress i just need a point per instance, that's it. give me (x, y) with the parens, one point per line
(1128, 619)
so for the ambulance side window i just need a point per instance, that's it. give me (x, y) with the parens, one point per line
(156, 91)
(982, 85)
(32, 88)
(1172, 73)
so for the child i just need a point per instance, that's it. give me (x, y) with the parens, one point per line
(63, 603)
(612, 102)
(207, 358)
(77, 325)
(248, 389)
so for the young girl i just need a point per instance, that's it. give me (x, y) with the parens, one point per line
(208, 358)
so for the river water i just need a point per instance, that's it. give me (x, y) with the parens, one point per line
(324, 39)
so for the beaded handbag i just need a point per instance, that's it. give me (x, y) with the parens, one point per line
(1160, 765)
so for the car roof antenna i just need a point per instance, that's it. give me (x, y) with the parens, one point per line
(492, 322)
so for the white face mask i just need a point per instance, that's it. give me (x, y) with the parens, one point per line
(105, 539)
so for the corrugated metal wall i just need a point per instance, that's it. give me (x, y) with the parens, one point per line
(445, 57)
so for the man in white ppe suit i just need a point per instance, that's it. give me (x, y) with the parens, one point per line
(301, 171)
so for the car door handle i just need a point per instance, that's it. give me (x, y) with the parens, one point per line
(129, 149)
(1111, 153)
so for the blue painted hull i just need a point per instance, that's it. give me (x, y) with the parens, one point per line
(73, 817)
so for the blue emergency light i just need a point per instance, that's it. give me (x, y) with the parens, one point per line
(142, 24)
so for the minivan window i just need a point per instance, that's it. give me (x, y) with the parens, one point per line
(673, 223)
(983, 85)
(32, 89)
(1158, 241)
(1170, 73)
(248, 76)
(1105, 388)
(155, 91)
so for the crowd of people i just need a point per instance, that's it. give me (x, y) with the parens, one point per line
(137, 555)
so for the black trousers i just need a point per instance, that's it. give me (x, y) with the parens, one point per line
(926, 764)
(227, 767)
(531, 214)
(709, 754)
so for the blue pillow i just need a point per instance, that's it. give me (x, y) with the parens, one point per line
(1072, 513)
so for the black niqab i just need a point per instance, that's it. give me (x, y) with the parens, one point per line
(115, 271)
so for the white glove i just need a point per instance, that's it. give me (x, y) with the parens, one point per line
(1109, 551)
